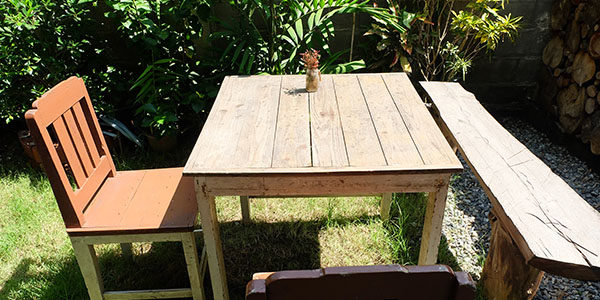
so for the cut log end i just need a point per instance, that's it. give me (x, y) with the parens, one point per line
(584, 68)
(594, 47)
(553, 52)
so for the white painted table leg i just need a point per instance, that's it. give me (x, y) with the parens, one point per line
(88, 264)
(432, 228)
(245, 203)
(193, 265)
(386, 203)
(212, 240)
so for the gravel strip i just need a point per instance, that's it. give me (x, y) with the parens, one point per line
(467, 228)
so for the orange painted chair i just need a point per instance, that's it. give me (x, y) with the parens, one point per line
(100, 205)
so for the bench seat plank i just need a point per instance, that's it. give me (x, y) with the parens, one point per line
(555, 229)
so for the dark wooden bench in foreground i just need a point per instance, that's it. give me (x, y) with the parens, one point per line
(435, 282)
(539, 223)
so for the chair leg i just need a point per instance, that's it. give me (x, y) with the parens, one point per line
(88, 264)
(386, 203)
(245, 203)
(126, 250)
(193, 265)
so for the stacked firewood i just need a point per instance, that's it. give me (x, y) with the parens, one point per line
(571, 83)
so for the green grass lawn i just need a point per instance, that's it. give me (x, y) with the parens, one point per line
(37, 261)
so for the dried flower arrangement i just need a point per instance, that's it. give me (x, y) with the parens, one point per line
(310, 58)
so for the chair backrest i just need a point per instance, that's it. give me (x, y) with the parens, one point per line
(65, 128)
(437, 282)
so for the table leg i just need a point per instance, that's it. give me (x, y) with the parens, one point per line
(386, 203)
(245, 204)
(432, 228)
(212, 241)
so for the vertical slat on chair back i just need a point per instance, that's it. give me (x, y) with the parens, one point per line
(66, 130)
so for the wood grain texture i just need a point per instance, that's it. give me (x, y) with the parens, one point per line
(245, 205)
(142, 201)
(359, 143)
(327, 138)
(269, 124)
(66, 144)
(360, 136)
(393, 135)
(86, 133)
(256, 138)
(146, 205)
(555, 229)
(432, 225)
(212, 240)
(506, 274)
(428, 139)
(88, 264)
(77, 138)
(322, 185)
(292, 136)
(385, 205)
(56, 117)
(193, 264)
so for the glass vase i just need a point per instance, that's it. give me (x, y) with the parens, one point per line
(312, 79)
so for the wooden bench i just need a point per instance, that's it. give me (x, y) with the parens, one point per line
(434, 282)
(539, 223)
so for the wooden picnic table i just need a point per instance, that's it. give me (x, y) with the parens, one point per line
(359, 134)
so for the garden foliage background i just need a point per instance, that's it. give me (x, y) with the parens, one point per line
(157, 64)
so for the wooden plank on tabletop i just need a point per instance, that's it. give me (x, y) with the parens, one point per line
(292, 136)
(396, 142)
(328, 148)
(362, 143)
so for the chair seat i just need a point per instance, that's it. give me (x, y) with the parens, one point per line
(141, 201)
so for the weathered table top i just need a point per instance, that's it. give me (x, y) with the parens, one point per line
(353, 123)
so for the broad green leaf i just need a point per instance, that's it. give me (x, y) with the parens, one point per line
(244, 58)
(238, 49)
(292, 34)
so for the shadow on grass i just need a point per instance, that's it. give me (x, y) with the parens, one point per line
(269, 247)
(156, 265)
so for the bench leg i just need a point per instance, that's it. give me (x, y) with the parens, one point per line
(386, 203)
(506, 274)
(245, 203)
(432, 227)
(88, 264)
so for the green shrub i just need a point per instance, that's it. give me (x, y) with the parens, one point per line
(108, 43)
(267, 36)
(442, 41)
(41, 43)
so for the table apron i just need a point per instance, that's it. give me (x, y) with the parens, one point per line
(321, 185)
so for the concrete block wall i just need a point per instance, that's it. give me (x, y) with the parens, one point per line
(508, 79)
